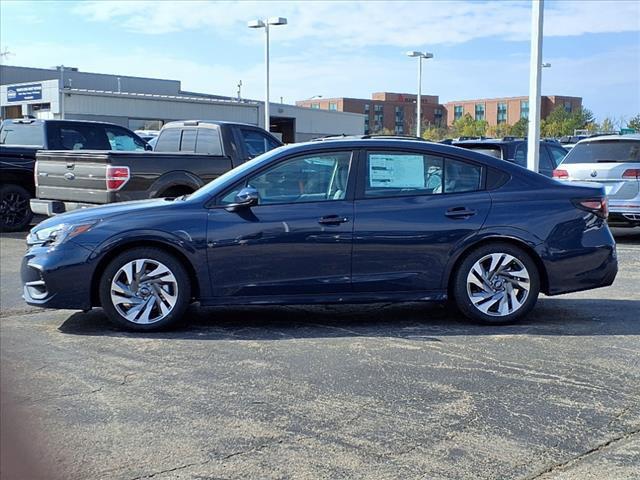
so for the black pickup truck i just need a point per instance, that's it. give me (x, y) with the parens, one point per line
(21, 139)
(187, 155)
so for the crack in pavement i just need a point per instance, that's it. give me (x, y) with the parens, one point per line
(582, 456)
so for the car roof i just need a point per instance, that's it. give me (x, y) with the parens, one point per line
(630, 136)
(400, 143)
(196, 123)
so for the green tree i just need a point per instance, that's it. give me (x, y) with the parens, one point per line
(520, 128)
(468, 127)
(634, 123)
(560, 122)
(500, 130)
(607, 125)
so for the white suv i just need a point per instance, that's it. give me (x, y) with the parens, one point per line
(613, 161)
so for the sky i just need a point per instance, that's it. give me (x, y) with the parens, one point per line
(341, 48)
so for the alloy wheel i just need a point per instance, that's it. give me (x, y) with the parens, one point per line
(14, 207)
(498, 284)
(144, 291)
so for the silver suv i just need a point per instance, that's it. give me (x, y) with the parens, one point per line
(613, 161)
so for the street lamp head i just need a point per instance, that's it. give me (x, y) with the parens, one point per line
(546, 65)
(255, 24)
(277, 21)
(412, 53)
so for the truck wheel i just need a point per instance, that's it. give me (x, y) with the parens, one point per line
(145, 289)
(496, 283)
(15, 212)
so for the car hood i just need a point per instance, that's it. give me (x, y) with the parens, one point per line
(85, 215)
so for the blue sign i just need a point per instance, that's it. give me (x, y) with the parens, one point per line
(20, 93)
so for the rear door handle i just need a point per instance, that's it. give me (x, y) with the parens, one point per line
(460, 212)
(332, 220)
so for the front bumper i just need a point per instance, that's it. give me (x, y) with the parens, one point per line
(56, 277)
(54, 207)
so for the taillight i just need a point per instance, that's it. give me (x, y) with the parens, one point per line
(117, 177)
(631, 174)
(557, 173)
(597, 206)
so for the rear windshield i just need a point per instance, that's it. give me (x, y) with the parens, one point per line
(27, 134)
(604, 151)
(493, 151)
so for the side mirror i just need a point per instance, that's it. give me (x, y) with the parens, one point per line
(148, 147)
(247, 197)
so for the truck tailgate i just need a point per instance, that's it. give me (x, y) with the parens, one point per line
(72, 176)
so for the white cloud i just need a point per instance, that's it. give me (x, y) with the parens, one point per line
(361, 24)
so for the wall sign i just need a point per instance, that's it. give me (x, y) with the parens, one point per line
(20, 93)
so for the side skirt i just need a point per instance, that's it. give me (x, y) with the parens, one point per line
(368, 297)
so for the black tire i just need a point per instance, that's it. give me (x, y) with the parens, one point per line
(15, 211)
(182, 282)
(462, 296)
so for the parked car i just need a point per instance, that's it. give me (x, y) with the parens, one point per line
(147, 135)
(613, 161)
(186, 156)
(21, 139)
(337, 221)
(515, 150)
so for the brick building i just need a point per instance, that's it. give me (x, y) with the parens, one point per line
(395, 112)
(508, 109)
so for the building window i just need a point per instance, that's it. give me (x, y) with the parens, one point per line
(437, 117)
(366, 126)
(399, 125)
(333, 106)
(457, 112)
(366, 109)
(567, 106)
(315, 105)
(378, 117)
(524, 109)
(502, 112)
(479, 111)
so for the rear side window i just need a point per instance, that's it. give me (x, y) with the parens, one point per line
(168, 140)
(188, 143)
(71, 136)
(604, 151)
(493, 151)
(209, 141)
(256, 142)
(28, 134)
(391, 174)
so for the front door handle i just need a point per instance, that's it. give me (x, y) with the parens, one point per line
(460, 212)
(332, 220)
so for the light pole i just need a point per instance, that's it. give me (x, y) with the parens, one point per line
(420, 56)
(265, 24)
(535, 74)
(61, 68)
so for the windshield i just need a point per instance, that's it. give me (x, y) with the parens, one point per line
(231, 176)
(604, 151)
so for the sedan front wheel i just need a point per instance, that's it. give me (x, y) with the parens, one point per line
(145, 289)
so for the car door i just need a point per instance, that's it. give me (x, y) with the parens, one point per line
(411, 210)
(296, 241)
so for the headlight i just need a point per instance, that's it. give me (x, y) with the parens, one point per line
(57, 234)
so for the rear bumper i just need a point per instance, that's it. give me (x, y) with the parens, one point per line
(54, 207)
(624, 213)
(593, 264)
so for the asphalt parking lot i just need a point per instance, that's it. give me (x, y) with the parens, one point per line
(404, 391)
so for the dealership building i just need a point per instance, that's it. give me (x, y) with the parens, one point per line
(148, 103)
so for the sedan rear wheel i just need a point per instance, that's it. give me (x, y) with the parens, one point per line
(145, 289)
(497, 283)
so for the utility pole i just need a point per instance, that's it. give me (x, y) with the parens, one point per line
(239, 90)
(61, 68)
(535, 76)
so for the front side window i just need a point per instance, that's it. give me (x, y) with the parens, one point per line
(392, 174)
(309, 178)
(256, 143)
(122, 140)
(557, 154)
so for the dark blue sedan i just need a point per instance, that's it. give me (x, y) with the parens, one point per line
(339, 221)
